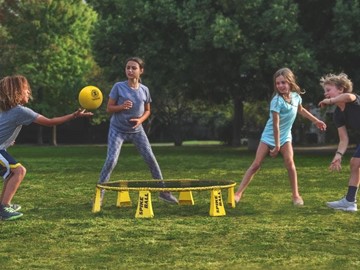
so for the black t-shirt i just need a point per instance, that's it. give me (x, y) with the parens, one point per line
(350, 117)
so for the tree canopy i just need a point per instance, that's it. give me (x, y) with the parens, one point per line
(50, 43)
(215, 51)
(208, 52)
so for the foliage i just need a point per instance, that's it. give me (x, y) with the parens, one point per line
(257, 114)
(204, 51)
(332, 25)
(214, 51)
(344, 38)
(241, 44)
(186, 120)
(59, 231)
(49, 42)
(175, 113)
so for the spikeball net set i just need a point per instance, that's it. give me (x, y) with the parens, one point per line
(183, 186)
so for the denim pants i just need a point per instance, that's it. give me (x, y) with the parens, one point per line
(142, 144)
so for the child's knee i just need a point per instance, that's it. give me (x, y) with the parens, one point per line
(255, 167)
(20, 171)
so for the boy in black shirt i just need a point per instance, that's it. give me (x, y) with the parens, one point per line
(338, 91)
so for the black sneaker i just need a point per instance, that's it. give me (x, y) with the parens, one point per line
(168, 197)
(8, 213)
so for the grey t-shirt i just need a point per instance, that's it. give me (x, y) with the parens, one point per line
(139, 97)
(11, 122)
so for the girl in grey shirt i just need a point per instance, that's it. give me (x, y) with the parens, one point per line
(15, 92)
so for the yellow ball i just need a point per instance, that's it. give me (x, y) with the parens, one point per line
(90, 98)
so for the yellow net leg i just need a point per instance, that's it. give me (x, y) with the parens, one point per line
(96, 204)
(231, 198)
(216, 204)
(144, 208)
(123, 199)
(186, 198)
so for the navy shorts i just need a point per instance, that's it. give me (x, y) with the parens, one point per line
(357, 151)
(7, 163)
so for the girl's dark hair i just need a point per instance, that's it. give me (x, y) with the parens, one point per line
(137, 60)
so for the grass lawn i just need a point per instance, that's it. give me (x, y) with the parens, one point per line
(265, 231)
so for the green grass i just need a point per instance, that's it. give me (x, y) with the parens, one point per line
(59, 231)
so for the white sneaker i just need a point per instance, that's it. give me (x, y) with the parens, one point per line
(298, 201)
(14, 206)
(343, 204)
(168, 197)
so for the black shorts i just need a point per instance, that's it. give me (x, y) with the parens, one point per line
(357, 151)
(7, 163)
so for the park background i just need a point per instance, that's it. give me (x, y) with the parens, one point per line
(209, 67)
(209, 64)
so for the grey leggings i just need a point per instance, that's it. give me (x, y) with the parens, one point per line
(140, 140)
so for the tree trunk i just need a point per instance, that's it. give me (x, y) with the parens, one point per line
(40, 135)
(53, 136)
(177, 135)
(237, 121)
(40, 128)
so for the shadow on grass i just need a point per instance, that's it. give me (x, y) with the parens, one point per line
(161, 210)
(201, 208)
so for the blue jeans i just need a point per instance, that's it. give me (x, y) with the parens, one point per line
(141, 142)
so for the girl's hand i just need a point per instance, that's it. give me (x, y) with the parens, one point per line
(82, 113)
(274, 152)
(136, 122)
(127, 105)
(321, 125)
(335, 165)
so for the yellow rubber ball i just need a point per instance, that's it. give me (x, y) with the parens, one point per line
(90, 98)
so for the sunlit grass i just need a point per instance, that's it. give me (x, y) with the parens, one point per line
(59, 231)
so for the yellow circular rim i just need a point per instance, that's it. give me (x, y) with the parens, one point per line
(227, 184)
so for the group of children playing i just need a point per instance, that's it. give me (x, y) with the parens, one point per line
(129, 105)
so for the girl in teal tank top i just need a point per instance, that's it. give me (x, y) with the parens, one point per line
(276, 137)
